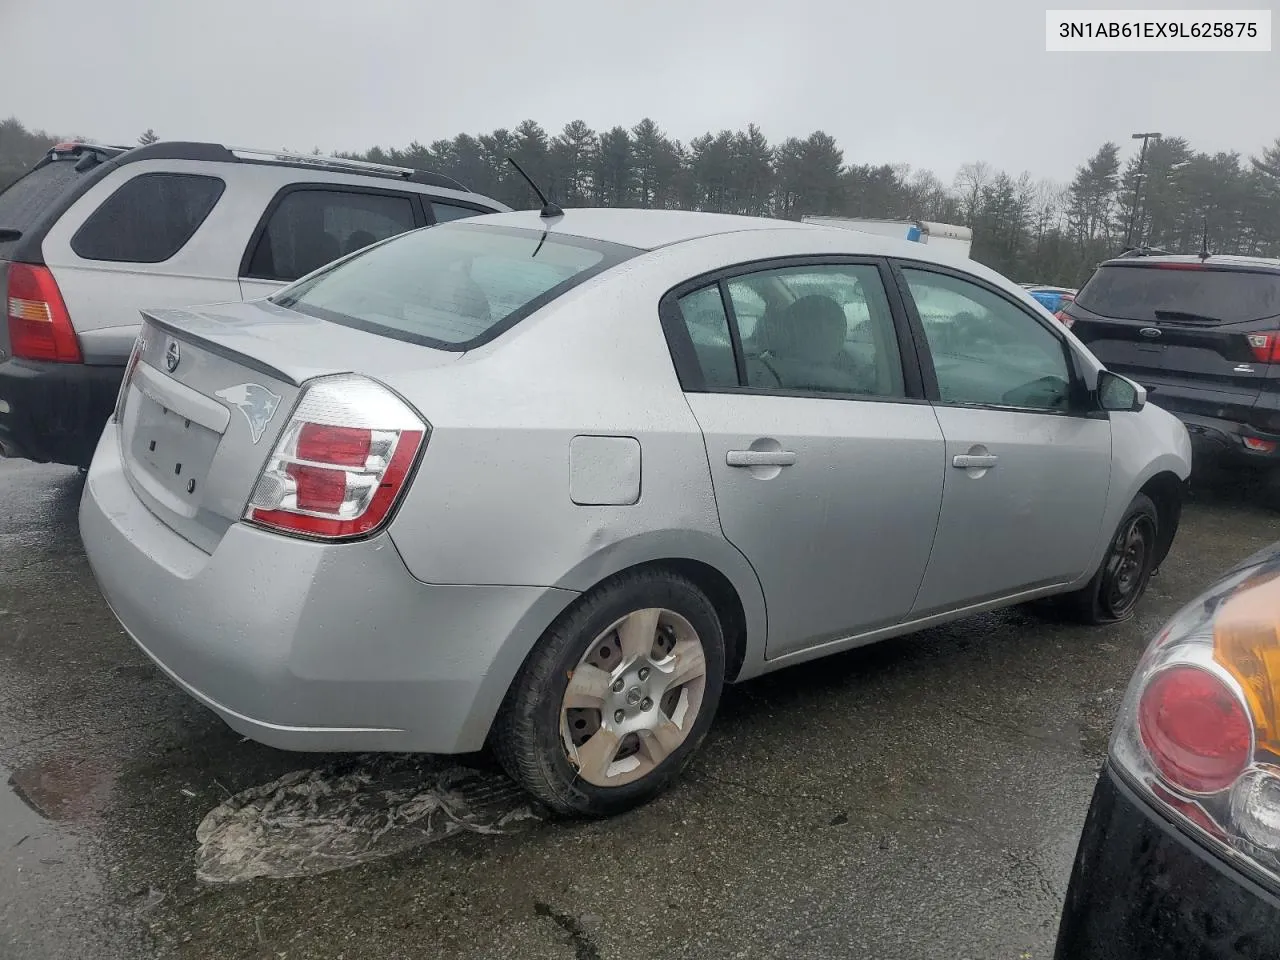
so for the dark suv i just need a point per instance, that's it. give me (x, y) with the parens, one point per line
(1202, 335)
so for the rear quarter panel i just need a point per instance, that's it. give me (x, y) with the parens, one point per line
(491, 502)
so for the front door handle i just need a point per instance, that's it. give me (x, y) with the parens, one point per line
(760, 458)
(966, 461)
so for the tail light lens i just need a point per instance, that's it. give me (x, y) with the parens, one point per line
(39, 325)
(1265, 346)
(342, 462)
(135, 355)
(1195, 728)
(1199, 729)
(1064, 318)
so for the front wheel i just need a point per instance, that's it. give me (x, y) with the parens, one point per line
(616, 696)
(1113, 593)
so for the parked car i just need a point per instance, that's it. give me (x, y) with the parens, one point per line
(1180, 856)
(93, 233)
(1202, 335)
(1052, 299)
(531, 481)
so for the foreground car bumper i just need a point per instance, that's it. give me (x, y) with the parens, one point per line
(309, 646)
(1141, 888)
(55, 412)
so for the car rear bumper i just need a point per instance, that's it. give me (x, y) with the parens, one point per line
(1230, 440)
(1142, 888)
(309, 646)
(55, 412)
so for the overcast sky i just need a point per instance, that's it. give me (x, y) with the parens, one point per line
(932, 83)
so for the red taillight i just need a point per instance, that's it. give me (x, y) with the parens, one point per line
(319, 489)
(339, 480)
(1258, 445)
(1064, 318)
(348, 446)
(39, 325)
(1265, 346)
(1197, 731)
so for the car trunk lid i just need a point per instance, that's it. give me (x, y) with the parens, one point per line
(210, 391)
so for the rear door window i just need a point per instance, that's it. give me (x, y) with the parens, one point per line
(454, 286)
(1188, 293)
(311, 227)
(823, 329)
(148, 219)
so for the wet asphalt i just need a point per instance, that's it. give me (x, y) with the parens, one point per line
(916, 799)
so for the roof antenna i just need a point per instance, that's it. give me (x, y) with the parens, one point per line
(1204, 242)
(548, 209)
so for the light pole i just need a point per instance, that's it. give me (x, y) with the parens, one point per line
(1137, 183)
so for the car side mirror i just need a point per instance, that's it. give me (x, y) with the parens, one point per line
(1120, 393)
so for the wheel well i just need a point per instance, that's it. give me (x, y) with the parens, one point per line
(1165, 491)
(720, 591)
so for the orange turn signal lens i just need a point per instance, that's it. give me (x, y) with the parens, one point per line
(1246, 642)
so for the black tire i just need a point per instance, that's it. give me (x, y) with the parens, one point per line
(1112, 595)
(527, 738)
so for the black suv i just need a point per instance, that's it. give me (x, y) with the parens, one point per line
(1202, 334)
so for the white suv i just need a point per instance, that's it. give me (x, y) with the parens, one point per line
(94, 233)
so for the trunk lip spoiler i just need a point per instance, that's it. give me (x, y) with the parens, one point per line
(227, 353)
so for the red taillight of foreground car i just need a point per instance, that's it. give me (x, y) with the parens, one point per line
(1197, 731)
(1199, 728)
(39, 325)
(1265, 346)
(337, 480)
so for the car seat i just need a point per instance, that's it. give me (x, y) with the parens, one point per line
(803, 347)
(358, 240)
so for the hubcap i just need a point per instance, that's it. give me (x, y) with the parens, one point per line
(633, 697)
(1127, 565)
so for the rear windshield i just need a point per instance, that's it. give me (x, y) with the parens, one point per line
(452, 286)
(28, 198)
(1149, 294)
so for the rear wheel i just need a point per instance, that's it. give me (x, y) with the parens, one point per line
(1114, 591)
(616, 697)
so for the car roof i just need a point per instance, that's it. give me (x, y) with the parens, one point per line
(651, 229)
(218, 153)
(641, 229)
(1216, 261)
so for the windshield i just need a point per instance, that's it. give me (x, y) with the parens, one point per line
(1151, 293)
(452, 286)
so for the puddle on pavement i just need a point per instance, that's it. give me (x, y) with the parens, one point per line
(64, 788)
(351, 812)
(43, 873)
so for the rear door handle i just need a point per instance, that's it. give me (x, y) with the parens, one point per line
(760, 458)
(966, 461)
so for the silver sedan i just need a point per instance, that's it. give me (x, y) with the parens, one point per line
(548, 483)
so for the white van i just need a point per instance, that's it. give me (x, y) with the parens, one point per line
(941, 236)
